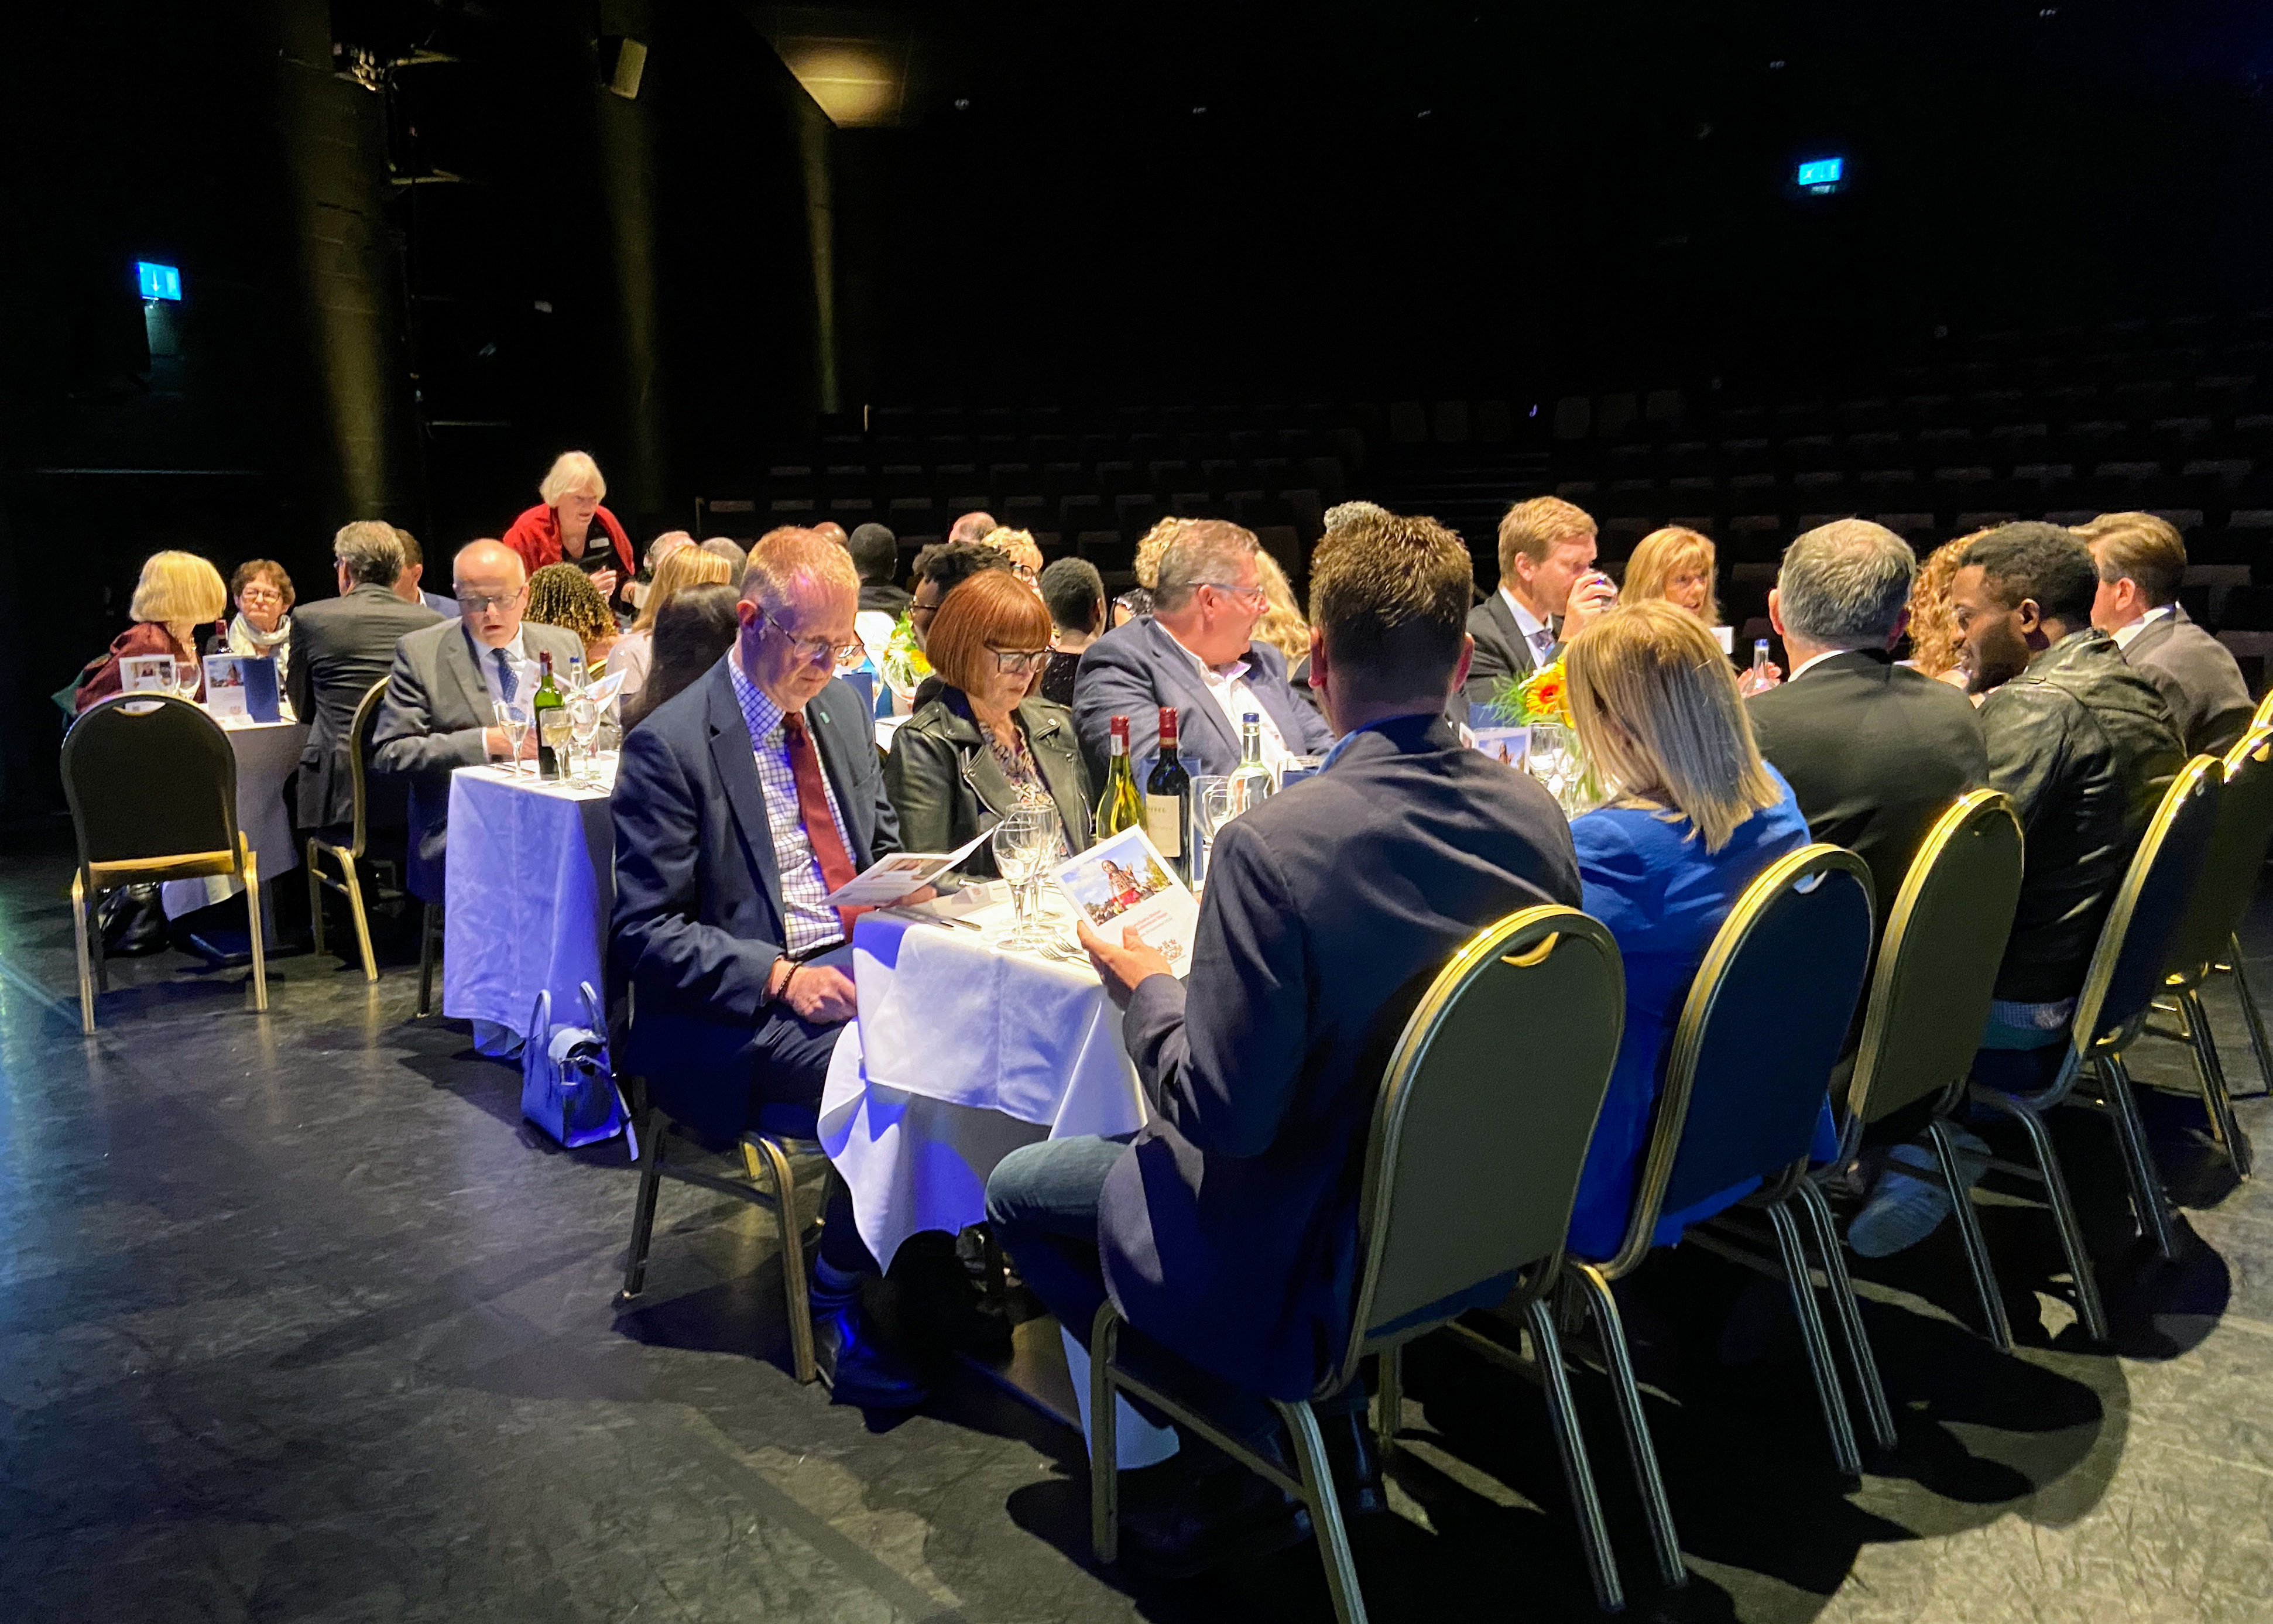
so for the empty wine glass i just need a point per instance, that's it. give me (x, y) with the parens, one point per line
(514, 718)
(584, 728)
(189, 678)
(1025, 843)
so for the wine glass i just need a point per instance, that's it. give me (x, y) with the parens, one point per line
(1025, 843)
(189, 677)
(584, 728)
(513, 719)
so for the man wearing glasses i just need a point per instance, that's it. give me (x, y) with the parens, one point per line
(1196, 652)
(440, 709)
(739, 805)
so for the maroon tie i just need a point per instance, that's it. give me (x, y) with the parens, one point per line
(837, 870)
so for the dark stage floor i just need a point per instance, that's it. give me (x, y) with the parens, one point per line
(301, 1323)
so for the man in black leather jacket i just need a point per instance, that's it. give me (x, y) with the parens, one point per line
(2081, 743)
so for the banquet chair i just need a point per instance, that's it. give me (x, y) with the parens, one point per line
(430, 949)
(1929, 1001)
(1470, 1172)
(1746, 1082)
(2126, 972)
(112, 757)
(771, 1186)
(366, 713)
(2213, 926)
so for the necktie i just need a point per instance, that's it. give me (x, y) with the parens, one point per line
(1541, 641)
(507, 681)
(820, 829)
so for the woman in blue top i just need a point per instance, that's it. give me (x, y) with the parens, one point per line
(1695, 815)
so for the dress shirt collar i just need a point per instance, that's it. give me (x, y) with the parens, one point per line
(1529, 624)
(1813, 661)
(2124, 634)
(1214, 676)
(486, 657)
(760, 714)
(1412, 723)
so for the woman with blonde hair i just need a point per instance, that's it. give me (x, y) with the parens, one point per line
(1933, 619)
(1149, 547)
(1283, 626)
(1676, 564)
(681, 567)
(569, 523)
(1695, 816)
(1020, 548)
(563, 596)
(178, 593)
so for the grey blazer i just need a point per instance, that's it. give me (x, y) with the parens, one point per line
(946, 784)
(432, 722)
(2197, 678)
(1134, 670)
(1502, 651)
(340, 647)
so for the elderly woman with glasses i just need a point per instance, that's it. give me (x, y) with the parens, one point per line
(984, 745)
(263, 623)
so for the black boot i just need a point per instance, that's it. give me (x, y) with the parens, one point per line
(858, 1369)
(1224, 1513)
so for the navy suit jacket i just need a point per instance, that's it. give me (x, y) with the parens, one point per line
(698, 919)
(1228, 1229)
(1134, 669)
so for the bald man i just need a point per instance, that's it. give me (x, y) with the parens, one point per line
(440, 712)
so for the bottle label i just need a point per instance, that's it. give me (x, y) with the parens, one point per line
(1164, 823)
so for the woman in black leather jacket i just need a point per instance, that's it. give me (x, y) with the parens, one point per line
(969, 756)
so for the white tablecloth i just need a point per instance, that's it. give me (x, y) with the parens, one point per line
(961, 1054)
(266, 752)
(532, 883)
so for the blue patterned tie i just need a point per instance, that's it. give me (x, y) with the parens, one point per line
(507, 681)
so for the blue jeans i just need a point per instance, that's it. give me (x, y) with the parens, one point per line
(1042, 1200)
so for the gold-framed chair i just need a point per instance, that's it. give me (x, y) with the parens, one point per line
(1471, 1168)
(2213, 925)
(771, 1187)
(1788, 961)
(2126, 972)
(1929, 1001)
(349, 885)
(151, 781)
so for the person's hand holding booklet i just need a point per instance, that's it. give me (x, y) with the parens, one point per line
(902, 877)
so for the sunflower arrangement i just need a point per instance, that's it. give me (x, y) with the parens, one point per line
(1542, 700)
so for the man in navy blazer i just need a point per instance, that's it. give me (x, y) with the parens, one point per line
(1227, 1231)
(1195, 652)
(738, 805)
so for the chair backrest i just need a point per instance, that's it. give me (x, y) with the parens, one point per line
(1766, 1018)
(359, 730)
(149, 776)
(1937, 961)
(2149, 908)
(1472, 1163)
(2237, 855)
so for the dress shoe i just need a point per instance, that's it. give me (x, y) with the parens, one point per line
(1228, 1514)
(856, 1369)
(1356, 1463)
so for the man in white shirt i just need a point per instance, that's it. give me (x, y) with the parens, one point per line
(1546, 572)
(1196, 652)
(2141, 562)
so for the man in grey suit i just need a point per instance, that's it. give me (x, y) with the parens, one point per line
(1227, 1231)
(438, 714)
(340, 647)
(1196, 652)
(2141, 562)
(1546, 572)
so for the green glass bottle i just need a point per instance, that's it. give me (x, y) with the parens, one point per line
(548, 711)
(1122, 805)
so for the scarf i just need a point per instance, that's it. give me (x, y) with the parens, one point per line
(246, 638)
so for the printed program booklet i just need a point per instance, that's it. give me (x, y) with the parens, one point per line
(143, 674)
(1124, 883)
(887, 880)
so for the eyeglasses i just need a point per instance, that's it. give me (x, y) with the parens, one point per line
(474, 602)
(1254, 596)
(815, 650)
(915, 609)
(261, 595)
(1025, 572)
(1019, 662)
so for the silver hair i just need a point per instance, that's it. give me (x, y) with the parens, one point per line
(1207, 549)
(1845, 584)
(371, 549)
(1344, 514)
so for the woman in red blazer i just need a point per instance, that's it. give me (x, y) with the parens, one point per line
(569, 525)
(177, 593)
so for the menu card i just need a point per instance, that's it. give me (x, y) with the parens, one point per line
(240, 685)
(144, 673)
(1124, 883)
(887, 880)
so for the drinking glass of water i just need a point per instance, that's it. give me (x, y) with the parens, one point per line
(514, 718)
(584, 728)
(1025, 843)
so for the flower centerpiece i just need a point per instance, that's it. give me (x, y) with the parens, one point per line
(904, 662)
(1542, 702)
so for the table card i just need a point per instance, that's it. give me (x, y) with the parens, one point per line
(240, 685)
(888, 879)
(146, 673)
(1123, 883)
